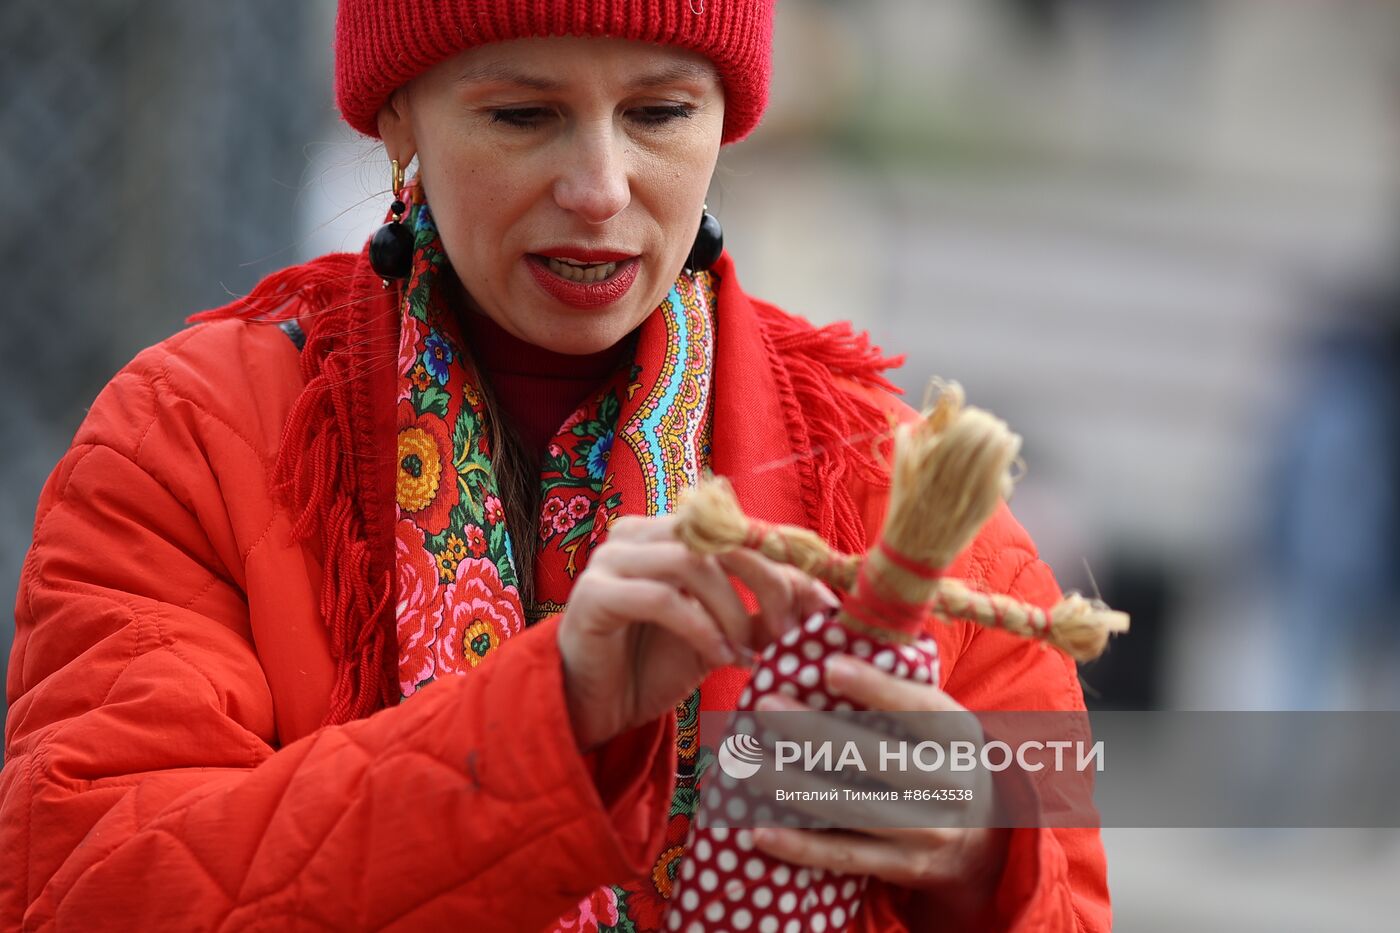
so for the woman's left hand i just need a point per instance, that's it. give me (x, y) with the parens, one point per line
(957, 868)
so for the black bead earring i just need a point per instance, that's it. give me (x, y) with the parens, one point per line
(391, 247)
(709, 243)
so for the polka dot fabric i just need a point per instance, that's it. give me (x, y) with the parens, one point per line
(725, 883)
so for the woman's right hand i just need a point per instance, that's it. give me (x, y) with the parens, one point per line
(648, 619)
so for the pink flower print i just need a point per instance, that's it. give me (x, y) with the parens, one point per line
(578, 507)
(419, 608)
(552, 507)
(596, 910)
(495, 511)
(478, 613)
(574, 419)
(410, 347)
(601, 518)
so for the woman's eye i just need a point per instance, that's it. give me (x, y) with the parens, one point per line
(656, 116)
(523, 117)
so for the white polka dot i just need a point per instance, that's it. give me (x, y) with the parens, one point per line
(708, 880)
(741, 919)
(702, 850)
(838, 916)
(763, 679)
(818, 923)
(813, 649)
(788, 688)
(719, 834)
(791, 637)
(817, 700)
(884, 660)
(848, 890)
(687, 869)
(762, 815)
(768, 925)
(842, 706)
(727, 860)
(804, 877)
(793, 926)
(715, 911)
(787, 664)
(835, 636)
(744, 840)
(815, 623)
(809, 676)
(860, 648)
(695, 927)
(690, 900)
(762, 897)
(712, 798)
(753, 868)
(736, 809)
(673, 920)
(781, 874)
(828, 894)
(746, 698)
(787, 902)
(921, 674)
(901, 670)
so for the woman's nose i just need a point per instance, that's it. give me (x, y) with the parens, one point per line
(594, 181)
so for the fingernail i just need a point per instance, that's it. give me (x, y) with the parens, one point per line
(828, 597)
(726, 654)
(776, 701)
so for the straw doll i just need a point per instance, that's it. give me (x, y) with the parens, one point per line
(951, 468)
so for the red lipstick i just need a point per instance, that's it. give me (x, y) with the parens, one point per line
(584, 294)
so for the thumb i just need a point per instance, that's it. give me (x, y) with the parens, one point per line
(814, 596)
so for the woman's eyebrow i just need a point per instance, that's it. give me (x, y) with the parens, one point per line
(502, 73)
(675, 73)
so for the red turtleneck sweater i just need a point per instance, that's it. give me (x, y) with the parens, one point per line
(537, 389)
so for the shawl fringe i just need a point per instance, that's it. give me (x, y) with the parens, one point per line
(829, 418)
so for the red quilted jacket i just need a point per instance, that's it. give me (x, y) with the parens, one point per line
(165, 765)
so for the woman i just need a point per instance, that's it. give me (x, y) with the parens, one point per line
(375, 617)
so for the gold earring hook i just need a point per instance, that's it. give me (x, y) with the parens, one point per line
(396, 173)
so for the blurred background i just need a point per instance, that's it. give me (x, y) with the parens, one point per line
(1160, 237)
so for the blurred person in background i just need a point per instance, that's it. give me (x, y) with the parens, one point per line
(1333, 539)
(356, 603)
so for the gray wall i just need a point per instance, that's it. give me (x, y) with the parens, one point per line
(151, 154)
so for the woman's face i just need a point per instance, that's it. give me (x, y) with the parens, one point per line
(567, 177)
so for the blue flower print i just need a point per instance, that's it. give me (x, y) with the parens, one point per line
(437, 356)
(598, 455)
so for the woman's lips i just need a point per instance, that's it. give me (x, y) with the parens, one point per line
(593, 286)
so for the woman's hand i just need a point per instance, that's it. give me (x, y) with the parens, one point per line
(956, 868)
(648, 619)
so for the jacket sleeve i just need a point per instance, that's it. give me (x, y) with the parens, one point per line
(143, 777)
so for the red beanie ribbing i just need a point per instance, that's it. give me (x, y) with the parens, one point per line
(381, 45)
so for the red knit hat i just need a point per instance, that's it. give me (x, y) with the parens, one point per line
(381, 45)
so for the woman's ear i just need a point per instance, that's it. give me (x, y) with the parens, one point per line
(396, 128)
